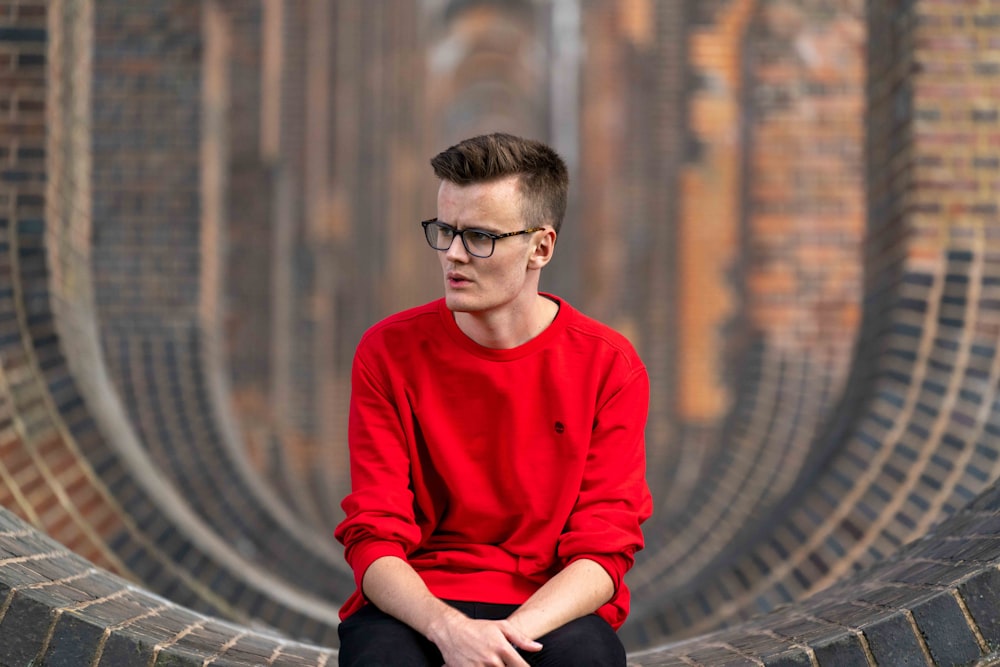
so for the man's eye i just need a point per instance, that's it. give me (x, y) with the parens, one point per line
(477, 237)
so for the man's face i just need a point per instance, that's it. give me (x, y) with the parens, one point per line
(475, 284)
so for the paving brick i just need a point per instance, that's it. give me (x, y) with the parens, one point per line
(23, 628)
(664, 661)
(74, 642)
(981, 594)
(127, 649)
(795, 658)
(892, 642)
(176, 657)
(845, 651)
(719, 655)
(945, 630)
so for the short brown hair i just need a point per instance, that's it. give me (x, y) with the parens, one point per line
(543, 179)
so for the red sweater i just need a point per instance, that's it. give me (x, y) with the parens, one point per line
(491, 470)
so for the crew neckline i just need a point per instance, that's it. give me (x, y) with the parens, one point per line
(505, 354)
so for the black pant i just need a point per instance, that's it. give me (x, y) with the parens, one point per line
(372, 638)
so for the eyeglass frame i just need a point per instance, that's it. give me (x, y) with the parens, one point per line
(461, 233)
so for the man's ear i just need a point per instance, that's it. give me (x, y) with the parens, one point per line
(544, 245)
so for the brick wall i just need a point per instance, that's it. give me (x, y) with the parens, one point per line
(912, 438)
(72, 464)
(856, 503)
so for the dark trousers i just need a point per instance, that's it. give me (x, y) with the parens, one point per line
(371, 638)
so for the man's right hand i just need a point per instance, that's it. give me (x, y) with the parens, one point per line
(467, 642)
(395, 588)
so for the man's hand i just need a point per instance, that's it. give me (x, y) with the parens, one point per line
(466, 642)
(399, 591)
(395, 588)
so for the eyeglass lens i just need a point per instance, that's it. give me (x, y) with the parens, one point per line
(440, 237)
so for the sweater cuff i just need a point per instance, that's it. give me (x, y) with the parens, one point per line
(363, 555)
(616, 565)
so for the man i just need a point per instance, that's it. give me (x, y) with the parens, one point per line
(496, 439)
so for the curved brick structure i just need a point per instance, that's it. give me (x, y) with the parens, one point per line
(826, 477)
(72, 463)
(153, 339)
(58, 609)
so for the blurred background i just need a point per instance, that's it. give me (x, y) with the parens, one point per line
(788, 206)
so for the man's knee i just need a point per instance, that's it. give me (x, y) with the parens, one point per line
(585, 642)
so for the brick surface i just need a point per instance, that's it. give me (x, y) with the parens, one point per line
(22, 630)
(75, 641)
(981, 595)
(789, 659)
(948, 636)
(127, 649)
(774, 479)
(845, 651)
(893, 642)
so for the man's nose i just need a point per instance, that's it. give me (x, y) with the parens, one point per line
(456, 251)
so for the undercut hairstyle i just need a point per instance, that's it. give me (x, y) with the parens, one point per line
(542, 176)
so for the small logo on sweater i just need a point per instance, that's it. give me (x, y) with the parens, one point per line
(559, 427)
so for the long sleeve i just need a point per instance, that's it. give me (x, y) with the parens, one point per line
(379, 510)
(614, 498)
(490, 470)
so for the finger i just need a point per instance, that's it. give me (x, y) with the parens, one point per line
(526, 644)
(520, 640)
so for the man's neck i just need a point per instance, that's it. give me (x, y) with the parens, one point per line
(510, 327)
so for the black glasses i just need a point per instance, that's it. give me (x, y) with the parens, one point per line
(477, 242)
